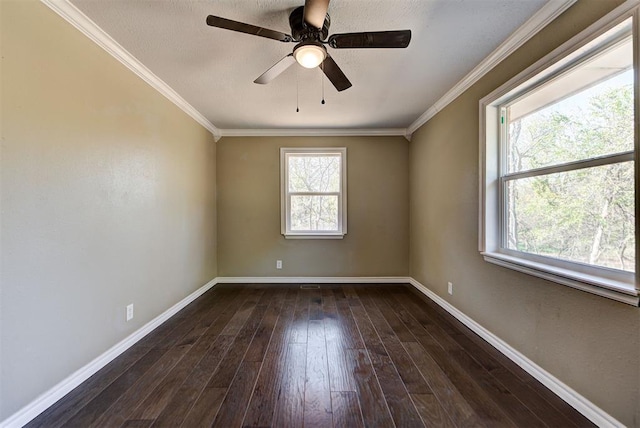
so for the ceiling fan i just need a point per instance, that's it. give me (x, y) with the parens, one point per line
(309, 29)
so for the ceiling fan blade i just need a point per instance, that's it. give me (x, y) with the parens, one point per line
(315, 12)
(241, 27)
(334, 74)
(275, 70)
(376, 39)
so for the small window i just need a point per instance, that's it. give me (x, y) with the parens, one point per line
(559, 174)
(313, 192)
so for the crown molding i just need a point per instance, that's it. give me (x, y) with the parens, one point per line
(75, 17)
(79, 20)
(535, 24)
(318, 132)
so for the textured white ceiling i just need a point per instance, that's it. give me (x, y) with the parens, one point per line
(214, 69)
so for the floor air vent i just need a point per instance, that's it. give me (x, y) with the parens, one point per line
(309, 286)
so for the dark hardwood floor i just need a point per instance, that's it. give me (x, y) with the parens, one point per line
(337, 355)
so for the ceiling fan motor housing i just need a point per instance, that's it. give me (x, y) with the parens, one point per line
(301, 31)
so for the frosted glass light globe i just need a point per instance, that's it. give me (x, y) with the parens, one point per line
(309, 56)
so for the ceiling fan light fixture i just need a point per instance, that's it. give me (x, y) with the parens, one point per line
(309, 55)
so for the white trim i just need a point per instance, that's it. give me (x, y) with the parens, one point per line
(285, 194)
(75, 17)
(603, 282)
(311, 236)
(614, 290)
(566, 393)
(318, 132)
(313, 279)
(535, 24)
(48, 398)
(577, 401)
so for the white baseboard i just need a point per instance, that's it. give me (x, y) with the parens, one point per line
(313, 279)
(40, 404)
(573, 398)
(580, 403)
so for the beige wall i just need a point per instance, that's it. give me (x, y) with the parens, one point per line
(590, 343)
(107, 197)
(249, 239)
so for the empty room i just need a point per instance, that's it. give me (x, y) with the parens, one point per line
(319, 213)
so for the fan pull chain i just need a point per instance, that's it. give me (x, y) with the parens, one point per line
(297, 90)
(322, 79)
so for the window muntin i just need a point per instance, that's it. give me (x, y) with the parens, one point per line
(558, 166)
(313, 195)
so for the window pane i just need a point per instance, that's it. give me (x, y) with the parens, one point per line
(585, 216)
(314, 213)
(585, 113)
(314, 173)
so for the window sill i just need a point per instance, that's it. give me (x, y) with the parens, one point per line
(615, 290)
(313, 236)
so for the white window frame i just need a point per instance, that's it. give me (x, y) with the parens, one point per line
(610, 283)
(285, 194)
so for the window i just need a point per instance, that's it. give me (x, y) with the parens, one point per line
(558, 175)
(313, 192)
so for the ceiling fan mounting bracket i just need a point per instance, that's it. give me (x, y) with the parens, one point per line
(301, 31)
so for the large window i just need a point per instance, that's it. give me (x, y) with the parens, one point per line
(313, 193)
(559, 167)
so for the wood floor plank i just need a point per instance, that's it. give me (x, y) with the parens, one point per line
(137, 423)
(507, 402)
(99, 404)
(227, 369)
(538, 398)
(105, 385)
(317, 393)
(202, 336)
(262, 406)
(409, 373)
(461, 328)
(263, 334)
(402, 408)
(159, 398)
(235, 403)
(351, 335)
(447, 394)
(340, 371)
(204, 411)
(400, 330)
(567, 410)
(375, 411)
(488, 412)
(300, 319)
(64, 409)
(194, 382)
(335, 355)
(431, 411)
(129, 400)
(176, 324)
(289, 407)
(346, 410)
(242, 315)
(534, 401)
(175, 412)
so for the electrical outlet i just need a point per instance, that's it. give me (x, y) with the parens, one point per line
(278, 264)
(449, 288)
(130, 312)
